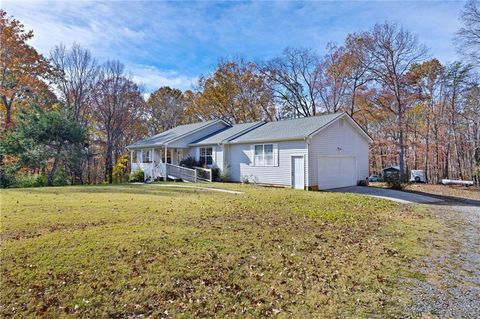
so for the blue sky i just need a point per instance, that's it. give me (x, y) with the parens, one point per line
(172, 43)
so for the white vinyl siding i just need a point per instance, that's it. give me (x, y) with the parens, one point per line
(339, 139)
(241, 165)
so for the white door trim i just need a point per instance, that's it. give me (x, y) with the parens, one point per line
(292, 176)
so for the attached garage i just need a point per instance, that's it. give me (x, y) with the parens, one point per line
(336, 171)
(338, 155)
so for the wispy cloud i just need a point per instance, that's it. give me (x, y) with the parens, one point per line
(175, 42)
(152, 78)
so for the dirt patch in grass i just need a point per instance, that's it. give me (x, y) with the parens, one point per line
(154, 251)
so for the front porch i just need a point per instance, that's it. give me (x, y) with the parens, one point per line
(152, 161)
(162, 163)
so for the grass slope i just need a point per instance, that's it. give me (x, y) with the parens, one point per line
(143, 250)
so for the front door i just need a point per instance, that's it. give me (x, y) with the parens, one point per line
(298, 172)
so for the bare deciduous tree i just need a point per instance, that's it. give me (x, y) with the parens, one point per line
(360, 62)
(294, 79)
(393, 51)
(118, 106)
(334, 78)
(75, 75)
(468, 41)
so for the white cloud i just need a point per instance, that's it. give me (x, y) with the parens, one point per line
(155, 37)
(151, 78)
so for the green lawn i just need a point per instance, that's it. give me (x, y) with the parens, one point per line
(133, 250)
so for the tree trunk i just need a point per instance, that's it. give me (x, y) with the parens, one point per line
(427, 148)
(401, 146)
(8, 111)
(108, 163)
(51, 175)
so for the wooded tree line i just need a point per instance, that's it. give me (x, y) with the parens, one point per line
(421, 113)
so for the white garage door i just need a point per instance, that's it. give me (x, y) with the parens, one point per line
(336, 171)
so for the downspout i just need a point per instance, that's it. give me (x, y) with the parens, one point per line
(307, 175)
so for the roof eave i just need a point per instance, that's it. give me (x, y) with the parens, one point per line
(176, 138)
(296, 138)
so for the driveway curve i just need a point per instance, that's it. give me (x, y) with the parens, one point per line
(390, 194)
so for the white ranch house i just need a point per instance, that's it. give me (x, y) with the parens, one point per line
(320, 152)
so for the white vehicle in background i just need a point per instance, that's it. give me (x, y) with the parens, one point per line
(417, 176)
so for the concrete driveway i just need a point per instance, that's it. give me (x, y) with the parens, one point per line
(390, 194)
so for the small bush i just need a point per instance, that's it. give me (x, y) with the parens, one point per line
(120, 169)
(216, 175)
(41, 180)
(60, 180)
(23, 181)
(225, 175)
(394, 182)
(189, 162)
(7, 176)
(137, 176)
(363, 182)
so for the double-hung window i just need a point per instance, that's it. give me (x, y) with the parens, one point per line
(263, 155)
(206, 155)
(147, 156)
(135, 156)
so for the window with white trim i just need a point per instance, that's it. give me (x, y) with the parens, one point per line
(206, 155)
(135, 156)
(263, 155)
(147, 156)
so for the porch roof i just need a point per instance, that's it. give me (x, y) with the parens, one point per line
(164, 138)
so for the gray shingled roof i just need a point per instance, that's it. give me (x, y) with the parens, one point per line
(226, 134)
(287, 129)
(174, 133)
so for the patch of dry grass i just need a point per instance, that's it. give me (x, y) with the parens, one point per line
(460, 192)
(143, 250)
(454, 191)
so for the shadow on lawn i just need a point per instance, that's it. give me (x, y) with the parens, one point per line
(119, 189)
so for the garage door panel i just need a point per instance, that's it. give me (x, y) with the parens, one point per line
(336, 171)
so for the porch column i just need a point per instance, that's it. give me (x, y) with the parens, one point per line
(153, 164)
(131, 160)
(166, 173)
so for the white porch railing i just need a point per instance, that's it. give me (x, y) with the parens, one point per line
(154, 171)
(160, 170)
(203, 174)
(184, 173)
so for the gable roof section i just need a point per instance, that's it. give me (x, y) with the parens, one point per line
(354, 124)
(170, 135)
(292, 129)
(227, 134)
